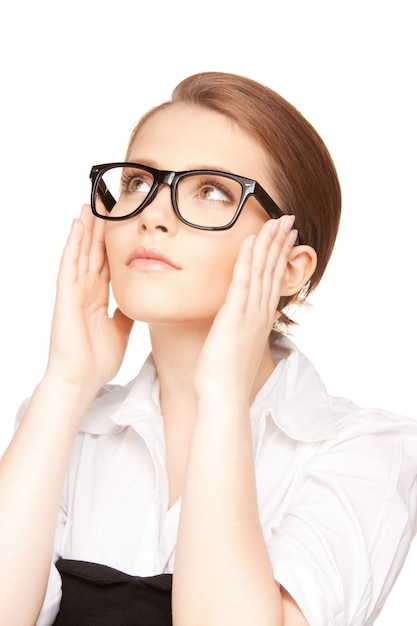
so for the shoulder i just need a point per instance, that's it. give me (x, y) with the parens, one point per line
(381, 429)
(304, 409)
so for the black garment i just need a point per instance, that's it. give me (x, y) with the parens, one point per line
(97, 595)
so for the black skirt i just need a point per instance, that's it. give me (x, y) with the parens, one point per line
(97, 595)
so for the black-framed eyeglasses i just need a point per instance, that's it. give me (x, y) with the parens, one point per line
(204, 199)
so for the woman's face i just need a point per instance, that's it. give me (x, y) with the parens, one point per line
(192, 286)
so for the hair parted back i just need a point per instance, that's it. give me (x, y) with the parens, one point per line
(301, 167)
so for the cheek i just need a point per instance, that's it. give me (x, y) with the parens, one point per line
(108, 240)
(116, 245)
(213, 270)
(116, 250)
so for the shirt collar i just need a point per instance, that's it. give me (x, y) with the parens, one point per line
(116, 407)
(294, 396)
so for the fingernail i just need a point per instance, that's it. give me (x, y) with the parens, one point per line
(288, 221)
(292, 237)
(251, 242)
(274, 227)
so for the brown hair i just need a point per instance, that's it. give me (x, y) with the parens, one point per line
(301, 167)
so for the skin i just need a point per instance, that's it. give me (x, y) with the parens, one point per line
(209, 320)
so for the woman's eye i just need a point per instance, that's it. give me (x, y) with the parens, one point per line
(137, 185)
(215, 193)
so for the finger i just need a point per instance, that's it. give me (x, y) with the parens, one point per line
(86, 218)
(278, 259)
(278, 276)
(274, 238)
(68, 268)
(240, 284)
(270, 261)
(97, 257)
(260, 265)
(105, 270)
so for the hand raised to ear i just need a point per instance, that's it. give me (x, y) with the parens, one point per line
(236, 342)
(87, 346)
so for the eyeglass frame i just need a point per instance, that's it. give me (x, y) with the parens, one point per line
(249, 188)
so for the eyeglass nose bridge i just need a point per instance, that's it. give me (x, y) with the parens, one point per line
(162, 177)
(166, 178)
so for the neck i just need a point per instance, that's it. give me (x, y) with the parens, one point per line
(176, 350)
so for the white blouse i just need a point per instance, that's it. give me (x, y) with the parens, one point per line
(337, 491)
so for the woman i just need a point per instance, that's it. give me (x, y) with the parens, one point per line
(225, 463)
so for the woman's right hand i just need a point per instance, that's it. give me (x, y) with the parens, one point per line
(87, 346)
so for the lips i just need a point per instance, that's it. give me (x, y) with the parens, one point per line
(151, 258)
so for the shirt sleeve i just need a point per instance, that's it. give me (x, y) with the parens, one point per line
(348, 525)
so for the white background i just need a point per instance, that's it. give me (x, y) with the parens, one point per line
(75, 77)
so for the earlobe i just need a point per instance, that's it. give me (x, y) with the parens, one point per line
(302, 262)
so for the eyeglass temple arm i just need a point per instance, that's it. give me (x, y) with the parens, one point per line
(271, 206)
(267, 202)
(105, 196)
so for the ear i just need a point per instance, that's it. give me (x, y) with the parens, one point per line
(302, 262)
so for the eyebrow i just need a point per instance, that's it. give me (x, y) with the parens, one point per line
(192, 166)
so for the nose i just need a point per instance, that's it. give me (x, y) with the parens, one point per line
(159, 213)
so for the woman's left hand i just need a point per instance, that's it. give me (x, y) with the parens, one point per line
(236, 342)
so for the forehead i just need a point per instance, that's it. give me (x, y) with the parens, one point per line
(182, 137)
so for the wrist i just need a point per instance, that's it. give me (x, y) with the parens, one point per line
(72, 392)
(222, 392)
(54, 414)
(222, 402)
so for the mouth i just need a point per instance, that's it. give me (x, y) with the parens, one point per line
(152, 259)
